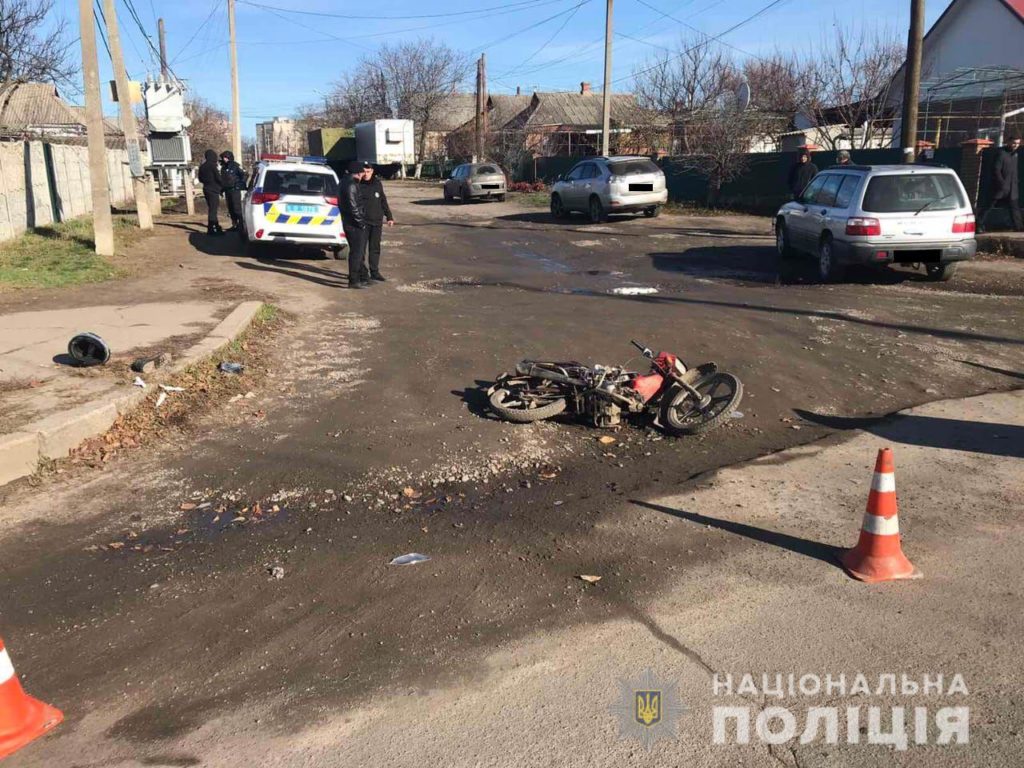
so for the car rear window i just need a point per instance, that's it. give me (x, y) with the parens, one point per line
(300, 183)
(486, 170)
(633, 167)
(910, 192)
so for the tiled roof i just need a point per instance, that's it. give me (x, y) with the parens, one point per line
(454, 111)
(503, 108)
(24, 106)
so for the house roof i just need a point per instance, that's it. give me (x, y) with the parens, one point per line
(455, 110)
(24, 106)
(503, 108)
(581, 109)
(1016, 6)
(111, 125)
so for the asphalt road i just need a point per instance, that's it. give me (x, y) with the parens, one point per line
(373, 392)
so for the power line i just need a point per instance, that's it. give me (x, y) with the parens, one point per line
(700, 32)
(102, 28)
(507, 37)
(506, 6)
(544, 45)
(720, 35)
(202, 25)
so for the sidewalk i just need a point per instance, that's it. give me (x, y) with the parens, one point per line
(48, 405)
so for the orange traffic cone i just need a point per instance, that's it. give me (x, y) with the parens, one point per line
(878, 555)
(22, 718)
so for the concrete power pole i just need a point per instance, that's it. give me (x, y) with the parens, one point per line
(163, 48)
(912, 82)
(483, 106)
(606, 106)
(236, 110)
(140, 179)
(103, 225)
(478, 124)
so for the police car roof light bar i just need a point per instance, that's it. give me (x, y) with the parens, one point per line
(294, 158)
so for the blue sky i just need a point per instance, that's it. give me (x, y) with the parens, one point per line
(288, 58)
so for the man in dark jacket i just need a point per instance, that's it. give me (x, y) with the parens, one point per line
(1004, 189)
(353, 220)
(213, 185)
(801, 173)
(233, 178)
(375, 203)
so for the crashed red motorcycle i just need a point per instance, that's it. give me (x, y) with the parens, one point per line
(684, 400)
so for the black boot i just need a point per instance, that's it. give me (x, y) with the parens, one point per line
(213, 229)
(378, 277)
(356, 284)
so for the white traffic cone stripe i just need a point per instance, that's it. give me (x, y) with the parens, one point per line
(881, 526)
(883, 482)
(6, 668)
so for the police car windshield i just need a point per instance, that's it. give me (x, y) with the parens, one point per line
(300, 184)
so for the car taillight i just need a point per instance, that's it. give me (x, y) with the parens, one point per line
(963, 225)
(331, 200)
(863, 226)
(259, 198)
(259, 234)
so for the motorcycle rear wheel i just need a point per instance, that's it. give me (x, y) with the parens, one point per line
(526, 400)
(681, 415)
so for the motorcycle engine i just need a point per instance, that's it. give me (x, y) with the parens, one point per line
(606, 414)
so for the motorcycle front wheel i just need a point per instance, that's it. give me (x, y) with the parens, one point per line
(525, 400)
(682, 414)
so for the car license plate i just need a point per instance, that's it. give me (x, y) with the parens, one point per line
(301, 208)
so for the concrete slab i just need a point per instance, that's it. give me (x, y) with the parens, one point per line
(19, 455)
(61, 432)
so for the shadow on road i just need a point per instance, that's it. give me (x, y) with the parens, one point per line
(318, 275)
(475, 398)
(933, 432)
(992, 369)
(826, 553)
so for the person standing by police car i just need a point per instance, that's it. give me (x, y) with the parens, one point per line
(213, 185)
(378, 212)
(353, 221)
(233, 179)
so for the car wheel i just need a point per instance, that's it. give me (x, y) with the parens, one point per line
(447, 195)
(828, 269)
(652, 212)
(500, 198)
(596, 210)
(785, 250)
(558, 208)
(941, 272)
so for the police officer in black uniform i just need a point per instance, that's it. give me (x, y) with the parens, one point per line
(378, 212)
(213, 185)
(233, 180)
(353, 220)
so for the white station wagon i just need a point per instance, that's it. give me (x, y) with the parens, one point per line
(881, 214)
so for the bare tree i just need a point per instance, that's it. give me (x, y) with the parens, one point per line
(679, 84)
(720, 146)
(853, 71)
(34, 44)
(409, 80)
(210, 128)
(781, 84)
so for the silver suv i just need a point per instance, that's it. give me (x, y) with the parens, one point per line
(880, 214)
(598, 186)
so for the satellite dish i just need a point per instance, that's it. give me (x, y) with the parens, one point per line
(743, 96)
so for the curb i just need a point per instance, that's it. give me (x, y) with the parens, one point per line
(56, 435)
(994, 242)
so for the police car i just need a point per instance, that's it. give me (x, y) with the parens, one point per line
(293, 200)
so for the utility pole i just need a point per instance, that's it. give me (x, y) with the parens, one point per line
(140, 179)
(478, 125)
(163, 48)
(606, 106)
(483, 106)
(103, 225)
(236, 110)
(912, 81)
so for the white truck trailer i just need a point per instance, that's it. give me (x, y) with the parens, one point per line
(384, 142)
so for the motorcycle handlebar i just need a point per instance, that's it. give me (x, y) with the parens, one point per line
(644, 350)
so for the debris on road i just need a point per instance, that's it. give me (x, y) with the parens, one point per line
(149, 364)
(590, 579)
(277, 572)
(161, 399)
(139, 382)
(226, 367)
(606, 440)
(166, 388)
(411, 559)
(634, 290)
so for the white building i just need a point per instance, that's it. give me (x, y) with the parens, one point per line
(280, 136)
